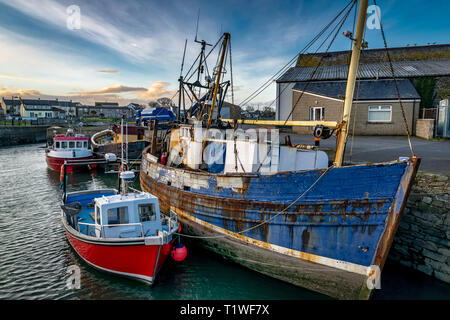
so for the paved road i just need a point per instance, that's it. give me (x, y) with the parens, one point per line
(435, 155)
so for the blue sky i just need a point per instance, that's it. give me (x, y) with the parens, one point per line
(131, 50)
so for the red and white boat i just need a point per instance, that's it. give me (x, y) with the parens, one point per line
(124, 233)
(68, 147)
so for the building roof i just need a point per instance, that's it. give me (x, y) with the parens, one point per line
(368, 89)
(10, 102)
(42, 108)
(402, 69)
(409, 53)
(99, 104)
(112, 107)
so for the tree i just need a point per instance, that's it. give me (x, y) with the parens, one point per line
(443, 88)
(153, 104)
(166, 102)
(249, 108)
(268, 112)
(425, 87)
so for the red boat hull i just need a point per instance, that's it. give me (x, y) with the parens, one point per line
(135, 261)
(56, 163)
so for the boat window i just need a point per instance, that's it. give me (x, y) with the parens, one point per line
(85, 144)
(118, 215)
(57, 144)
(97, 215)
(147, 212)
(79, 144)
(72, 144)
(63, 144)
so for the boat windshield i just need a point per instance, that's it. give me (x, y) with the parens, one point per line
(118, 215)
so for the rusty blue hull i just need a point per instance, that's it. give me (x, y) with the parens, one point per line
(331, 240)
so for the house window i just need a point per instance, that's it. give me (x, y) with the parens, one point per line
(316, 113)
(380, 114)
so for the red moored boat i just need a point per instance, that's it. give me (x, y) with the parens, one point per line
(124, 233)
(68, 147)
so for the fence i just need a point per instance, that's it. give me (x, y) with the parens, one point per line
(428, 113)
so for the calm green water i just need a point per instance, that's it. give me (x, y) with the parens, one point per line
(34, 254)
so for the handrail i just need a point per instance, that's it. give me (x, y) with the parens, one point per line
(115, 225)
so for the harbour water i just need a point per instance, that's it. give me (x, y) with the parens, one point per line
(35, 256)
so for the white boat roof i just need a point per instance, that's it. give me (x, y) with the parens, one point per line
(142, 197)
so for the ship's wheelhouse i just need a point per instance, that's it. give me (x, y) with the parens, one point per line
(127, 216)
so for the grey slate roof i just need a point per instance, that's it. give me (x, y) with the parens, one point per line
(402, 69)
(10, 102)
(368, 89)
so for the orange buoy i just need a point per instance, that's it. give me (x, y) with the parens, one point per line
(179, 252)
(61, 174)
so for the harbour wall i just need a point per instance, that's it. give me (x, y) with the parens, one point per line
(14, 135)
(422, 241)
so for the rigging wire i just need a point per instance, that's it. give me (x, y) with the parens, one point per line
(271, 218)
(320, 61)
(204, 60)
(395, 82)
(317, 49)
(286, 66)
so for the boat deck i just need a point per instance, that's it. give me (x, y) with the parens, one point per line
(87, 213)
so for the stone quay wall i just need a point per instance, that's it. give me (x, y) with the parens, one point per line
(422, 241)
(14, 135)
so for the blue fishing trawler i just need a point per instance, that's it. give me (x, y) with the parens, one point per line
(284, 210)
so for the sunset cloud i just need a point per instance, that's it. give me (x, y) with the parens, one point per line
(107, 71)
(114, 89)
(157, 90)
(25, 93)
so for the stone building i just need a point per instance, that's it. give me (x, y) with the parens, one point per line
(376, 107)
(322, 77)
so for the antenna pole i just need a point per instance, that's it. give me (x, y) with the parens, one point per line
(349, 91)
(181, 89)
(196, 29)
(216, 87)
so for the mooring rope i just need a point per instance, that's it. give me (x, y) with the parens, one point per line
(265, 221)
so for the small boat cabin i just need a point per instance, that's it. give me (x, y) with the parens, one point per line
(65, 143)
(104, 214)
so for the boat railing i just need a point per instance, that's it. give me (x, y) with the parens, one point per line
(103, 227)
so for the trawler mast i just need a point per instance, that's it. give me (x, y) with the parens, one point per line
(353, 70)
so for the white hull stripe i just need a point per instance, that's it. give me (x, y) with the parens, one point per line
(333, 263)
